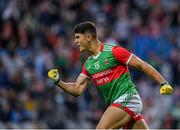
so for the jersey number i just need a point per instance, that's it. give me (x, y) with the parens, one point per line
(96, 65)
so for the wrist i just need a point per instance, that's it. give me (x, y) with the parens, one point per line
(163, 83)
(56, 82)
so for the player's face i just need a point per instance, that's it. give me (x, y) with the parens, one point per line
(81, 41)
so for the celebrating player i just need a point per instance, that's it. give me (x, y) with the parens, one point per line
(107, 66)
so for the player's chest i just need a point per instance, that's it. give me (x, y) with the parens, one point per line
(102, 63)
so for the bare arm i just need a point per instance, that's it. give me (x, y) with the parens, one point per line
(77, 88)
(136, 62)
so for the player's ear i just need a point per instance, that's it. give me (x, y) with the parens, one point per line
(89, 37)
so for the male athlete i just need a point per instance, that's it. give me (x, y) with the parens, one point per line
(108, 68)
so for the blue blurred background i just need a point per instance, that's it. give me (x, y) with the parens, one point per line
(37, 35)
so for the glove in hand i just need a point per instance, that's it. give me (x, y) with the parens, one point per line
(166, 89)
(54, 75)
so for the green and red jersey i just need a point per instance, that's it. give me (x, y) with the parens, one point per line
(109, 71)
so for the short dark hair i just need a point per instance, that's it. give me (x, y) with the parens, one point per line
(86, 27)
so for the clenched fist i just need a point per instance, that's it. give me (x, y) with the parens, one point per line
(166, 89)
(54, 75)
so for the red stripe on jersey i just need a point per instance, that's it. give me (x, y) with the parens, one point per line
(109, 75)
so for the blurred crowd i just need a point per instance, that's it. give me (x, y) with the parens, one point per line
(37, 35)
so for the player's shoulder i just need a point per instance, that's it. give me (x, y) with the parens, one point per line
(88, 62)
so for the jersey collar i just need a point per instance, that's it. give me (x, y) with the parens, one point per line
(101, 49)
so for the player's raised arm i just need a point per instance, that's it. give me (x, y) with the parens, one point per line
(75, 89)
(136, 62)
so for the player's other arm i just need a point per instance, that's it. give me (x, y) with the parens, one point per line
(154, 74)
(75, 89)
(141, 65)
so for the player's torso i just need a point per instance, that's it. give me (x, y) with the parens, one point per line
(108, 75)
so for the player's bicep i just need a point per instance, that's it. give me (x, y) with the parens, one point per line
(136, 62)
(82, 83)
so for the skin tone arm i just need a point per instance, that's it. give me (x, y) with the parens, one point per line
(139, 64)
(77, 88)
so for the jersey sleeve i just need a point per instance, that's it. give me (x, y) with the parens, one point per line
(121, 54)
(85, 73)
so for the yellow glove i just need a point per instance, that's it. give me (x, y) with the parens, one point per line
(166, 89)
(54, 75)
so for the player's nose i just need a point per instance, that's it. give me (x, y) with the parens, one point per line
(75, 41)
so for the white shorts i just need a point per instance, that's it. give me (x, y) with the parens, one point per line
(131, 103)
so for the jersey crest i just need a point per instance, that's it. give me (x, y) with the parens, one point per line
(106, 61)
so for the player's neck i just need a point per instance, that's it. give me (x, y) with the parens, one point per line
(95, 48)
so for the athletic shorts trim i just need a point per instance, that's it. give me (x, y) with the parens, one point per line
(132, 122)
(133, 115)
